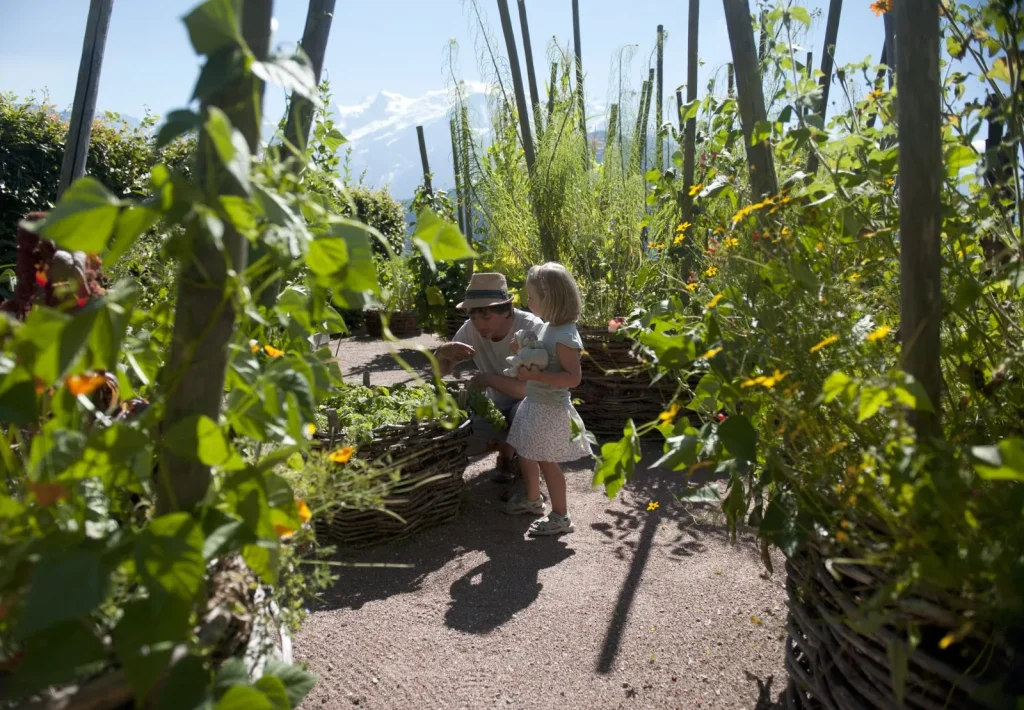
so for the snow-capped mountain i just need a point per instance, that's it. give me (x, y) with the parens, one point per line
(381, 131)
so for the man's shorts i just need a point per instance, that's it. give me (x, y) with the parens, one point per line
(484, 433)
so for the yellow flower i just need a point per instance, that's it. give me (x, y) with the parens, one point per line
(731, 241)
(283, 531)
(311, 429)
(653, 505)
(715, 301)
(680, 238)
(711, 353)
(825, 343)
(692, 287)
(768, 381)
(666, 417)
(272, 351)
(854, 277)
(878, 333)
(718, 230)
(875, 95)
(841, 536)
(304, 514)
(750, 209)
(683, 227)
(343, 454)
(711, 271)
(753, 381)
(657, 245)
(820, 246)
(254, 346)
(694, 189)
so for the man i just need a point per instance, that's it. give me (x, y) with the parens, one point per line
(486, 339)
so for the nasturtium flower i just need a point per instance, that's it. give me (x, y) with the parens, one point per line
(343, 454)
(85, 384)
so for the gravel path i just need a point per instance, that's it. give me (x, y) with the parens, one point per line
(636, 609)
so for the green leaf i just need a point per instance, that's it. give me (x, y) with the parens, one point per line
(145, 638)
(187, 686)
(231, 673)
(214, 24)
(297, 682)
(84, 218)
(958, 158)
(911, 393)
(109, 452)
(222, 68)
(800, 14)
(55, 575)
(871, 400)
(343, 259)
(225, 534)
(169, 556)
(264, 561)
(735, 505)
(652, 175)
(1000, 70)
(762, 132)
(837, 384)
(967, 292)
(689, 110)
(230, 146)
(133, 221)
(292, 73)
(199, 438)
(1004, 462)
(617, 461)
(273, 689)
(176, 124)
(671, 351)
(705, 494)
(439, 240)
(779, 526)
(243, 697)
(739, 437)
(680, 453)
(18, 398)
(58, 655)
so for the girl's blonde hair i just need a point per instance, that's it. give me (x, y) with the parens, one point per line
(561, 302)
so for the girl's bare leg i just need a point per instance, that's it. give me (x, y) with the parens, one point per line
(531, 478)
(555, 480)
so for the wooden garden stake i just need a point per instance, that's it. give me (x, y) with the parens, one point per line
(465, 136)
(732, 79)
(423, 159)
(690, 134)
(879, 81)
(458, 176)
(889, 23)
(83, 110)
(580, 95)
(314, 44)
(531, 76)
(551, 89)
(919, 111)
(517, 84)
(204, 319)
(751, 96)
(659, 107)
(835, 9)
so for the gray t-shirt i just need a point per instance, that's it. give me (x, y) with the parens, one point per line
(550, 336)
(490, 355)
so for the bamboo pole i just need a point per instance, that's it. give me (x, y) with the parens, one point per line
(580, 94)
(659, 109)
(467, 181)
(646, 122)
(517, 84)
(421, 139)
(637, 148)
(458, 176)
(919, 109)
(552, 91)
(83, 110)
(314, 44)
(835, 9)
(732, 78)
(679, 112)
(613, 121)
(204, 319)
(763, 180)
(531, 76)
(690, 135)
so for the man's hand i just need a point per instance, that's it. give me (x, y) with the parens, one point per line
(480, 382)
(455, 352)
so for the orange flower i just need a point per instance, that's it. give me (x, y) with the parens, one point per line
(880, 7)
(41, 279)
(254, 346)
(343, 454)
(283, 531)
(272, 351)
(49, 493)
(40, 386)
(85, 384)
(670, 415)
(304, 514)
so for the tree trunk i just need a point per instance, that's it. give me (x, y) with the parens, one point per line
(552, 91)
(659, 107)
(204, 319)
(458, 176)
(314, 44)
(421, 139)
(690, 135)
(835, 9)
(531, 76)
(919, 110)
(83, 110)
(751, 96)
(517, 84)
(580, 94)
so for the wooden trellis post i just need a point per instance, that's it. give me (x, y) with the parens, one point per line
(580, 94)
(835, 9)
(83, 110)
(919, 108)
(659, 107)
(314, 44)
(531, 76)
(517, 84)
(458, 176)
(690, 135)
(751, 96)
(423, 159)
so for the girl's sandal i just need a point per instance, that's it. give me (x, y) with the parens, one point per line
(553, 524)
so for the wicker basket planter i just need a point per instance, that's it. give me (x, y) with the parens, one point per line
(432, 461)
(833, 666)
(452, 324)
(403, 324)
(616, 387)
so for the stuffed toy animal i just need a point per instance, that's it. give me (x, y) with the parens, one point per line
(527, 353)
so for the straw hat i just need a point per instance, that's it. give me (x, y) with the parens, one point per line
(485, 290)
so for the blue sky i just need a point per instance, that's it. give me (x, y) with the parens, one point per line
(394, 45)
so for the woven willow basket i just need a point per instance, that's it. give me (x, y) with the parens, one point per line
(403, 324)
(432, 461)
(831, 665)
(452, 324)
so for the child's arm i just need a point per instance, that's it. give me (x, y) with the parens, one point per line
(571, 377)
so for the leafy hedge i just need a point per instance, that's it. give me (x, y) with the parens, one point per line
(32, 140)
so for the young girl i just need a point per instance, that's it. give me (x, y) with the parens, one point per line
(542, 431)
